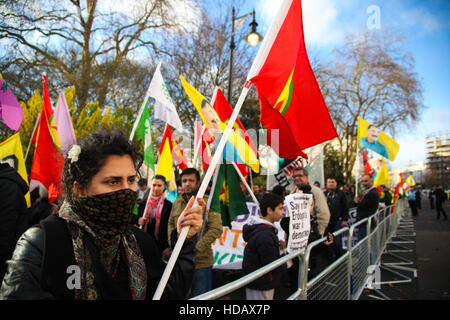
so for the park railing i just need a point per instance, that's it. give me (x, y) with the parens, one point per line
(345, 278)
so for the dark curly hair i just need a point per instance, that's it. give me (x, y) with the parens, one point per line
(95, 149)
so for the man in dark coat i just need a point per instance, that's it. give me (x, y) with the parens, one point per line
(441, 196)
(337, 203)
(13, 209)
(368, 205)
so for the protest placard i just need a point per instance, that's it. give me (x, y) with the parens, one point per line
(298, 206)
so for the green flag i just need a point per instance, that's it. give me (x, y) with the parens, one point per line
(144, 132)
(228, 198)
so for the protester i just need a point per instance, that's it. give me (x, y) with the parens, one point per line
(41, 208)
(257, 191)
(418, 197)
(350, 194)
(386, 196)
(92, 233)
(337, 203)
(366, 206)
(142, 197)
(179, 188)
(319, 220)
(190, 182)
(263, 247)
(412, 200)
(431, 197)
(156, 218)
(13, 212)
(441, 196)
(280, 190)
(385, 199)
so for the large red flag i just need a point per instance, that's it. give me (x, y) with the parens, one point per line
(48, 161)
(289, 95)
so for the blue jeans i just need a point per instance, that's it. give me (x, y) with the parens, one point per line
(202, 281)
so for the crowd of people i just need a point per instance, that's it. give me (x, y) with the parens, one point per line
(121, 255)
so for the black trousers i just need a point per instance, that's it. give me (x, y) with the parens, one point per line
(413, 206)
(439, 209)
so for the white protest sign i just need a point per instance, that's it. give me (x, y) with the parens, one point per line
(298, 207)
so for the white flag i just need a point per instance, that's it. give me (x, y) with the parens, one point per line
(164, 108)
(64, 124)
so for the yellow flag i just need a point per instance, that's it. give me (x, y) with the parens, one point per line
(373, 138)
(410, 181)
(236, 149)
(165, 163)
(11, 152)
(382, 175)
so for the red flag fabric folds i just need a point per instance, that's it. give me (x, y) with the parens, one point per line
(48, 161)
(289, 95)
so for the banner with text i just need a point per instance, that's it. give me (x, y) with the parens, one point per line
(298, 206)
(228, 250)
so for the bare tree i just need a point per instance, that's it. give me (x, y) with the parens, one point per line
(371, 77)
(202, 57)
(86, 43)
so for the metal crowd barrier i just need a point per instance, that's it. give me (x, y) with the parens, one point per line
(345, 278)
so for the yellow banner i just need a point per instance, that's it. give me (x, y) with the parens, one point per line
(382, 175)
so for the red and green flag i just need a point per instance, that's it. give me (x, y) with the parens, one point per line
(291, 103)
(228, 197)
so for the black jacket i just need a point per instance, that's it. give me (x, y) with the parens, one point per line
(13, 212)
(337, 203)
(368, 205)
(163, 241)
(262, 248)
(37, 270)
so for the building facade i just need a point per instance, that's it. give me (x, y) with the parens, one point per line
(438, 159)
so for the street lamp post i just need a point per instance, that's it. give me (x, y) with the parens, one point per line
(253, 38)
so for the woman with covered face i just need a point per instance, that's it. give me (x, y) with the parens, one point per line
(89, 250)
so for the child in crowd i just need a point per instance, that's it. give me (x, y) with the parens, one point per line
(263, 247)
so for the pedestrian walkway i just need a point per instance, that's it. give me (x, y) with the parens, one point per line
(430, 255)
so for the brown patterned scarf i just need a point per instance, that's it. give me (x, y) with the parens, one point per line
(105, 217)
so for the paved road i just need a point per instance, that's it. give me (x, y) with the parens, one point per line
(430, 256)
(433, 253)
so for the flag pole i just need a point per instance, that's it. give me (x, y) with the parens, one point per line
(200, 194)
(31, 138)
(208, 205)
(246, 184)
